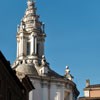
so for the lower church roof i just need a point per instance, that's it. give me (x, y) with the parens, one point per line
(27, 69)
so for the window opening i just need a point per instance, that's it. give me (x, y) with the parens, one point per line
(28, 48)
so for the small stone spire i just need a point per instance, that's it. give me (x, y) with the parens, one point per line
(31, 19)
(44, 66)
(31, 5)
(67, 73)
(43, 61)
(29, 2)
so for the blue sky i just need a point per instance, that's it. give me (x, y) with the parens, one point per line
(73, 35)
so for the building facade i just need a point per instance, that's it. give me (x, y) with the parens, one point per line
(10, 86)
(31, 61)
(91, 92)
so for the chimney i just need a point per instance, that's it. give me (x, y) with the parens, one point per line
(87, 82)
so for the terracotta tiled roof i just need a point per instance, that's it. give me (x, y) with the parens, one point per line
(89, 98)
(94, 86)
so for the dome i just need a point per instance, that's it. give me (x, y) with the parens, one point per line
(27, 69)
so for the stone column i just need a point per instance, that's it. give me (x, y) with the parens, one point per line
(22, 45)
(17, 48)
(32, 45)
(35, 45)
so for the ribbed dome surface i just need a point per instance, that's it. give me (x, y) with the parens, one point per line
(27, 69)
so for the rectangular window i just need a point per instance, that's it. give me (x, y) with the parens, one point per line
(38, 49)
(28, 48)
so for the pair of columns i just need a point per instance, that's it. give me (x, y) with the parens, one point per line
(22, 47)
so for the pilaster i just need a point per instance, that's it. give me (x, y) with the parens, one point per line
(45, 92)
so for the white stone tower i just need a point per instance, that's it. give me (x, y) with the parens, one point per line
(30, 35)
(31, 61)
